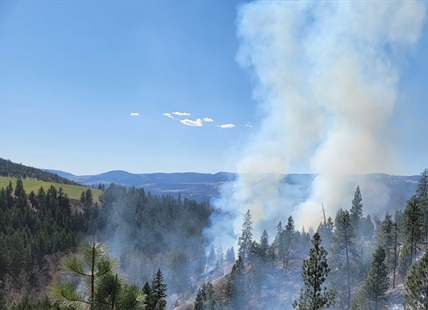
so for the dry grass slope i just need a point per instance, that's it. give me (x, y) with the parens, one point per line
(73, 191)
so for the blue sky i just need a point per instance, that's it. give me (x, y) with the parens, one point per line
(92, 86)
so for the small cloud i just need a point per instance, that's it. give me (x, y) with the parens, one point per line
(168, 115)
(134, 114)
(226, 126)
(189, 122)
(208, 120)
(248, 125)
(181, 113)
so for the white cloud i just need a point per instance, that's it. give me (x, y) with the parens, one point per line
(189, 122)
(168, 115)
(194, 123)
(181, 113)
(226, 126)
(134, 114)
(248, 125)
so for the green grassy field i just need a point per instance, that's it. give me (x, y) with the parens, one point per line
(73, 191)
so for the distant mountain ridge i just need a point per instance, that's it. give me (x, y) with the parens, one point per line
(198, 186)
(205, 186)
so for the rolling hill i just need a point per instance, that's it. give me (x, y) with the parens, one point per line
(72, 191)
(34, 178)
(396, 190)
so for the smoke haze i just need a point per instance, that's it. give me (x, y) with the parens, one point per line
(325, 75)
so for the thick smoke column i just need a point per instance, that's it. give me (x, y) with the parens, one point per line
(326, 76)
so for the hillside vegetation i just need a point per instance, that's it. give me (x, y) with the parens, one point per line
(144, 232)
(10, 169)
(355, 262)
(72, 191)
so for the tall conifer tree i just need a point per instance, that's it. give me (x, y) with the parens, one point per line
(315, 295)
(413, 225)
(417, 286)
(159, 291)
(356, 212)
(422, 193)
(344, 254)
(377, 281)
(246, 238)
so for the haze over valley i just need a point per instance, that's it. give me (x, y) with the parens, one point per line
(213, 155)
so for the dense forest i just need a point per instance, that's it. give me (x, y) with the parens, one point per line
(145, 233)
(136, 250)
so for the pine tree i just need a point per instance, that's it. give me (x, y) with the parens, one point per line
(284, 242)
(20, 195)
(325, 230)
(9, 196)
(356, 212)
(367, 228)
(94, 271)
(89, 199)
(422, 194)
(377, 223)
(416, 297)
(264, 245)
(246, 237)
(205, 298)
(113, 292)
(41, 197)
(387, 239)
(422, 190)
(3, 203)
(259, 258)
(199, 262)
(315, 295)
(344, 253)
(82, 198)
(288, 241)
(276, 241)
(159, 291)
(413, 225)
(237, 287)
(396, 234)
(149, 301)
(210, 303)
(199, 301)
(230, 255)
(377, 281)
(91, 264)
(220, 255)
(212, 256)
(404, 260)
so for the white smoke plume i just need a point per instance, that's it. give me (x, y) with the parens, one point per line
(326, 75)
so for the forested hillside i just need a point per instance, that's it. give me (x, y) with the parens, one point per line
(34, 229)
(145, 233)
(353, 261)
(10, 169)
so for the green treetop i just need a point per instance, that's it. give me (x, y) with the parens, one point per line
(315, 295)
